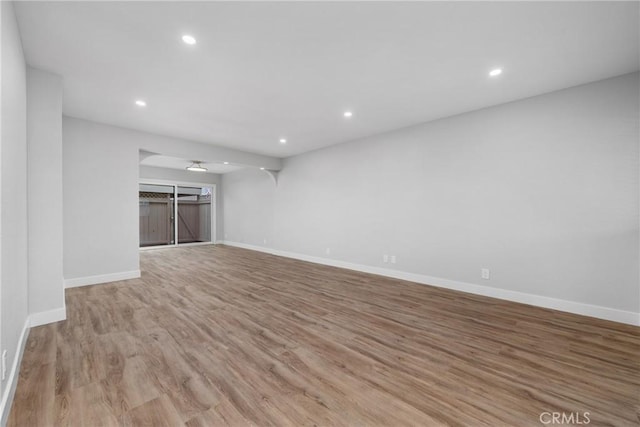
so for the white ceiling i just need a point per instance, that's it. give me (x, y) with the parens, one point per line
(261, 71)
(175, 163)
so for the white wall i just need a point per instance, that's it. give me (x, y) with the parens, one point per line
(44, 142)
(542, 191)
(179, 176)
(100, 200)
(13, 190)
(249, 207)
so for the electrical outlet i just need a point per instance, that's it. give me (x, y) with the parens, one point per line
(265, 241)
(328, 251)
(393, 259)
(385, 258)
(4, 365)
(485, 273)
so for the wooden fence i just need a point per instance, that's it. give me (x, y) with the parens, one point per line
(156, 220)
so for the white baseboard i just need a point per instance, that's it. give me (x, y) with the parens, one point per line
(264, 249)
(45, 317)
(103, 278)
(12, 379)
(622, 316)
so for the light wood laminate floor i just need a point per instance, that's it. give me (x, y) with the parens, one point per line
(219, 335)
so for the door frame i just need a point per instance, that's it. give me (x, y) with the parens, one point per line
(176, 184)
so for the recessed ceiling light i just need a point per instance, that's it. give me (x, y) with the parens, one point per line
(283, 141)
(495, 72)
(141, 103)
(188, 39)
(226, 163)
(348, 114)
(196, 167)
(261, 169)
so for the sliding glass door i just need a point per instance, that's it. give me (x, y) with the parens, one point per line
(156, 215)
(194, 214)
(163, 222)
